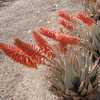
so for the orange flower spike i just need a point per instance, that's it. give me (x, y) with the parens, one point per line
(32, 51)
(51, 34)
(64, 14)
(40, 41)
(67, 39)
(17, 55)
(67, 24)
(25, 47)
(43, 44)
(85, 19)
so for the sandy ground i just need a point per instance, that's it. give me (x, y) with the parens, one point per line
(16, 18)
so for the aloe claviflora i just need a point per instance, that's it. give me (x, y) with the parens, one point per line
(72, 74)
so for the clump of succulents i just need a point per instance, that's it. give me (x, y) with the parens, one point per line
(72, 73)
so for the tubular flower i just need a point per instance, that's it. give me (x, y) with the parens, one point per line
(67, 39)
(85, 19)
(51, 34)
(67, 24)
(65, 15)
(17, 55)
(47, 49)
